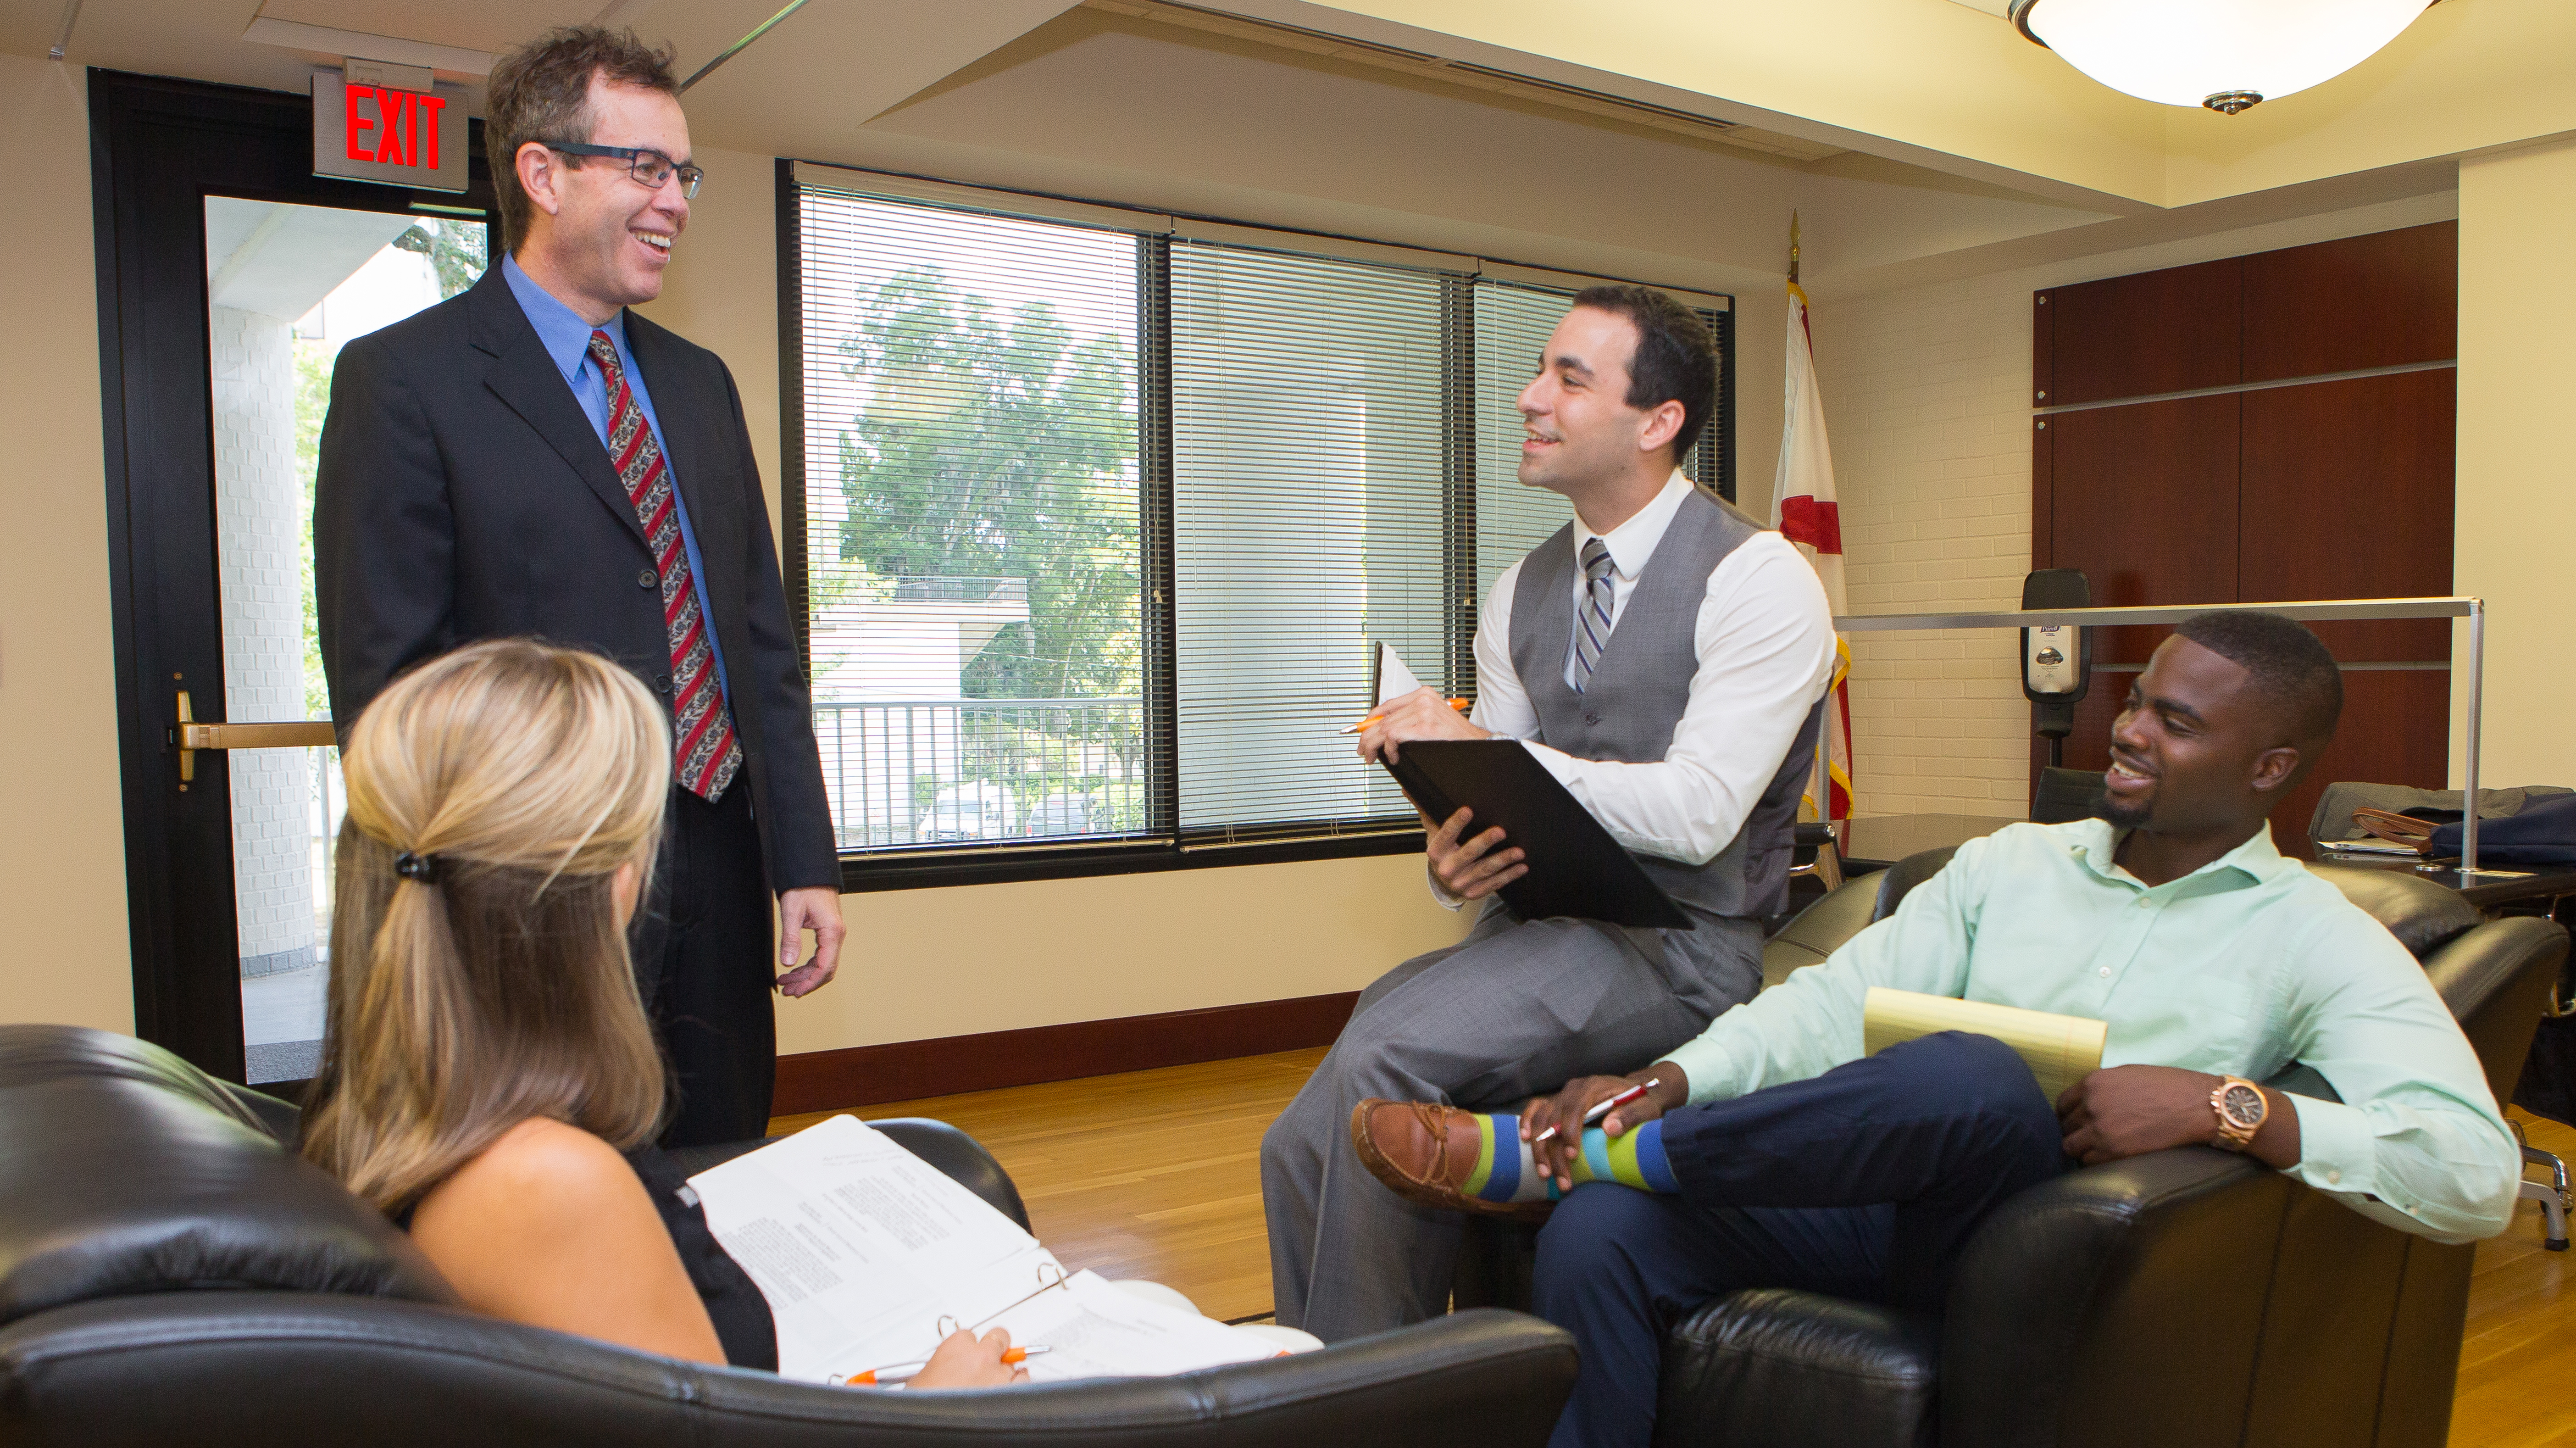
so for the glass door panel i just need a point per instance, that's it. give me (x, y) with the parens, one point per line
(287, 286)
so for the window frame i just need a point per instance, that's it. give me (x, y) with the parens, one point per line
(1163, 846)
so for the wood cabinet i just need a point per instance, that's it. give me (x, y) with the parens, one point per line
(2278, 478)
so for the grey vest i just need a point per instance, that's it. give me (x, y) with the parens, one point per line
(1640, 687)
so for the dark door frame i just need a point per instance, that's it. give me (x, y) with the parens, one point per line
(158, 148)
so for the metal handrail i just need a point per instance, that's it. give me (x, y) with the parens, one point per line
(2472, 609)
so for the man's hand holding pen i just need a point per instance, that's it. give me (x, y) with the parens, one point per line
(1422, 714)
(1468, 867)
(1667, 1088)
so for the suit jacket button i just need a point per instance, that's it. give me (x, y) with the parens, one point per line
(647, 579)
(1591, 718)
(661, 683)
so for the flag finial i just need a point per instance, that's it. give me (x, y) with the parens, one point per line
(1793, 246)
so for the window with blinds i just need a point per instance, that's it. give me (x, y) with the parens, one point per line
(1100, 523)
(973, 533)
(1307, 524)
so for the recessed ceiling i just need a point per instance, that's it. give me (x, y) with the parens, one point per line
(468, 24)
(1427, 66)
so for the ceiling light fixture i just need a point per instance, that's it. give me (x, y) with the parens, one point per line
(2223, 54)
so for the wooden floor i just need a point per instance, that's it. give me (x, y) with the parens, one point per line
(1156, 1174)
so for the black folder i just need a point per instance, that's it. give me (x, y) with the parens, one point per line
(1575, 868)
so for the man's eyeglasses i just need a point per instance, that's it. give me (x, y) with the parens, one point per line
(649, 168)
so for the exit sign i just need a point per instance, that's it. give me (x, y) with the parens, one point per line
(388, 124)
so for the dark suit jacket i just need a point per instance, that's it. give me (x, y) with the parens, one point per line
(462, 495)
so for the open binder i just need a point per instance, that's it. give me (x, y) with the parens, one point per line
(1575, 868)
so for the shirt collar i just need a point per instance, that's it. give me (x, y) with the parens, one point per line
(565, 335)
(1633, 542)
(2097, 844)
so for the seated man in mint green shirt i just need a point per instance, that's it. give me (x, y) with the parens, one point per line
(1769, 1152)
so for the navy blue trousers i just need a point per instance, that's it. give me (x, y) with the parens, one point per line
(1864, 1182)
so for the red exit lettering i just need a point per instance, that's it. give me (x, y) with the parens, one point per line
(402, 121)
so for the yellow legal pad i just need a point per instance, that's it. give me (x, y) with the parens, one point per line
(2060, 1050)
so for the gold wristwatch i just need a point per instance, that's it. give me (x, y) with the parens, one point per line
(2241, 1106)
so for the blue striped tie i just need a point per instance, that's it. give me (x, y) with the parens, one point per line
(1592, 621)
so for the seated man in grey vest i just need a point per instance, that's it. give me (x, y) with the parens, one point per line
(1664, 657)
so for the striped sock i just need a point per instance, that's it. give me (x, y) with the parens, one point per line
(1507, 1171)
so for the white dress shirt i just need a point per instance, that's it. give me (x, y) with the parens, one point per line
(1765, 643)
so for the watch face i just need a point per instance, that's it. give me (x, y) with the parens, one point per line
(2243, 1105)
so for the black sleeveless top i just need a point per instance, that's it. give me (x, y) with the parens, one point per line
(734, 1303)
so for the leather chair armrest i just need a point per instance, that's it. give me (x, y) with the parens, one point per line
(1820, 929)
(2497, 978)
(2128, 1293)
(1792, 1369)
(1897, 879)
(284, 1119)
(270, 1370)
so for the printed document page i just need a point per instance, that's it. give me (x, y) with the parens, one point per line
(862, 1247)
(1091, 1328)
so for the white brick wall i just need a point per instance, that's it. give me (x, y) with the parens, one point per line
(1927, 400)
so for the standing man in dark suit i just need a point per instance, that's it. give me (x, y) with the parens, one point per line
(531, 458)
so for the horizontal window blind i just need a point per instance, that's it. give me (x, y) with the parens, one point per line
(1308, 524)
(1512, 517)
(973, 525)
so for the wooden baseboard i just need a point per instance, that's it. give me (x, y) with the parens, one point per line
(907, 1070)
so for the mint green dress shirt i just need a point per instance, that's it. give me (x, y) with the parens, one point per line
(2242, 967)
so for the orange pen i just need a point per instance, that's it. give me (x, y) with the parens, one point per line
(1461, 705)
(904, 1372)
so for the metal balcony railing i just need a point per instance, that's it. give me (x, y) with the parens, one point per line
(961, 771)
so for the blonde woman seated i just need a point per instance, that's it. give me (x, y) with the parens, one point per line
(488, 1078)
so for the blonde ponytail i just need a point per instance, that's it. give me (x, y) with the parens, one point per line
(479, 970)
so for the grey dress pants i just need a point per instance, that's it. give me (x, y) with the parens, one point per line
(1516, 1008)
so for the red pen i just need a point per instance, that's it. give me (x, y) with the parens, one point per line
(1604, 1108)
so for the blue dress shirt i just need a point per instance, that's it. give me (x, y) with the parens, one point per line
(567, 340)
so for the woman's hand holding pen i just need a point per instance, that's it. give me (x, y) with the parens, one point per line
(1564, 1113)
(1422, 714)
(967, 1361)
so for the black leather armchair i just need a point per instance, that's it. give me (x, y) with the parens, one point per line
(2187, 1297)
(170, 1273)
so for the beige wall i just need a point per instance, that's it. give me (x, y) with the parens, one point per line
(930, 963)
(62, 852)
(1927, 395)
(2517, 487)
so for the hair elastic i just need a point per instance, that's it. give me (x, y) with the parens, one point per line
(420, 868)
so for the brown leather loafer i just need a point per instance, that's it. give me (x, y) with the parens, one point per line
(1424, 1152)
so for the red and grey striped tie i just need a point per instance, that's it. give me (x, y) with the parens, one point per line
(706, 756)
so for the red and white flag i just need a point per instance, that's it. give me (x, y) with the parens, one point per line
(1802, 508)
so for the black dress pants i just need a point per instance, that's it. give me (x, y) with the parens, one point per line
(703, 966)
